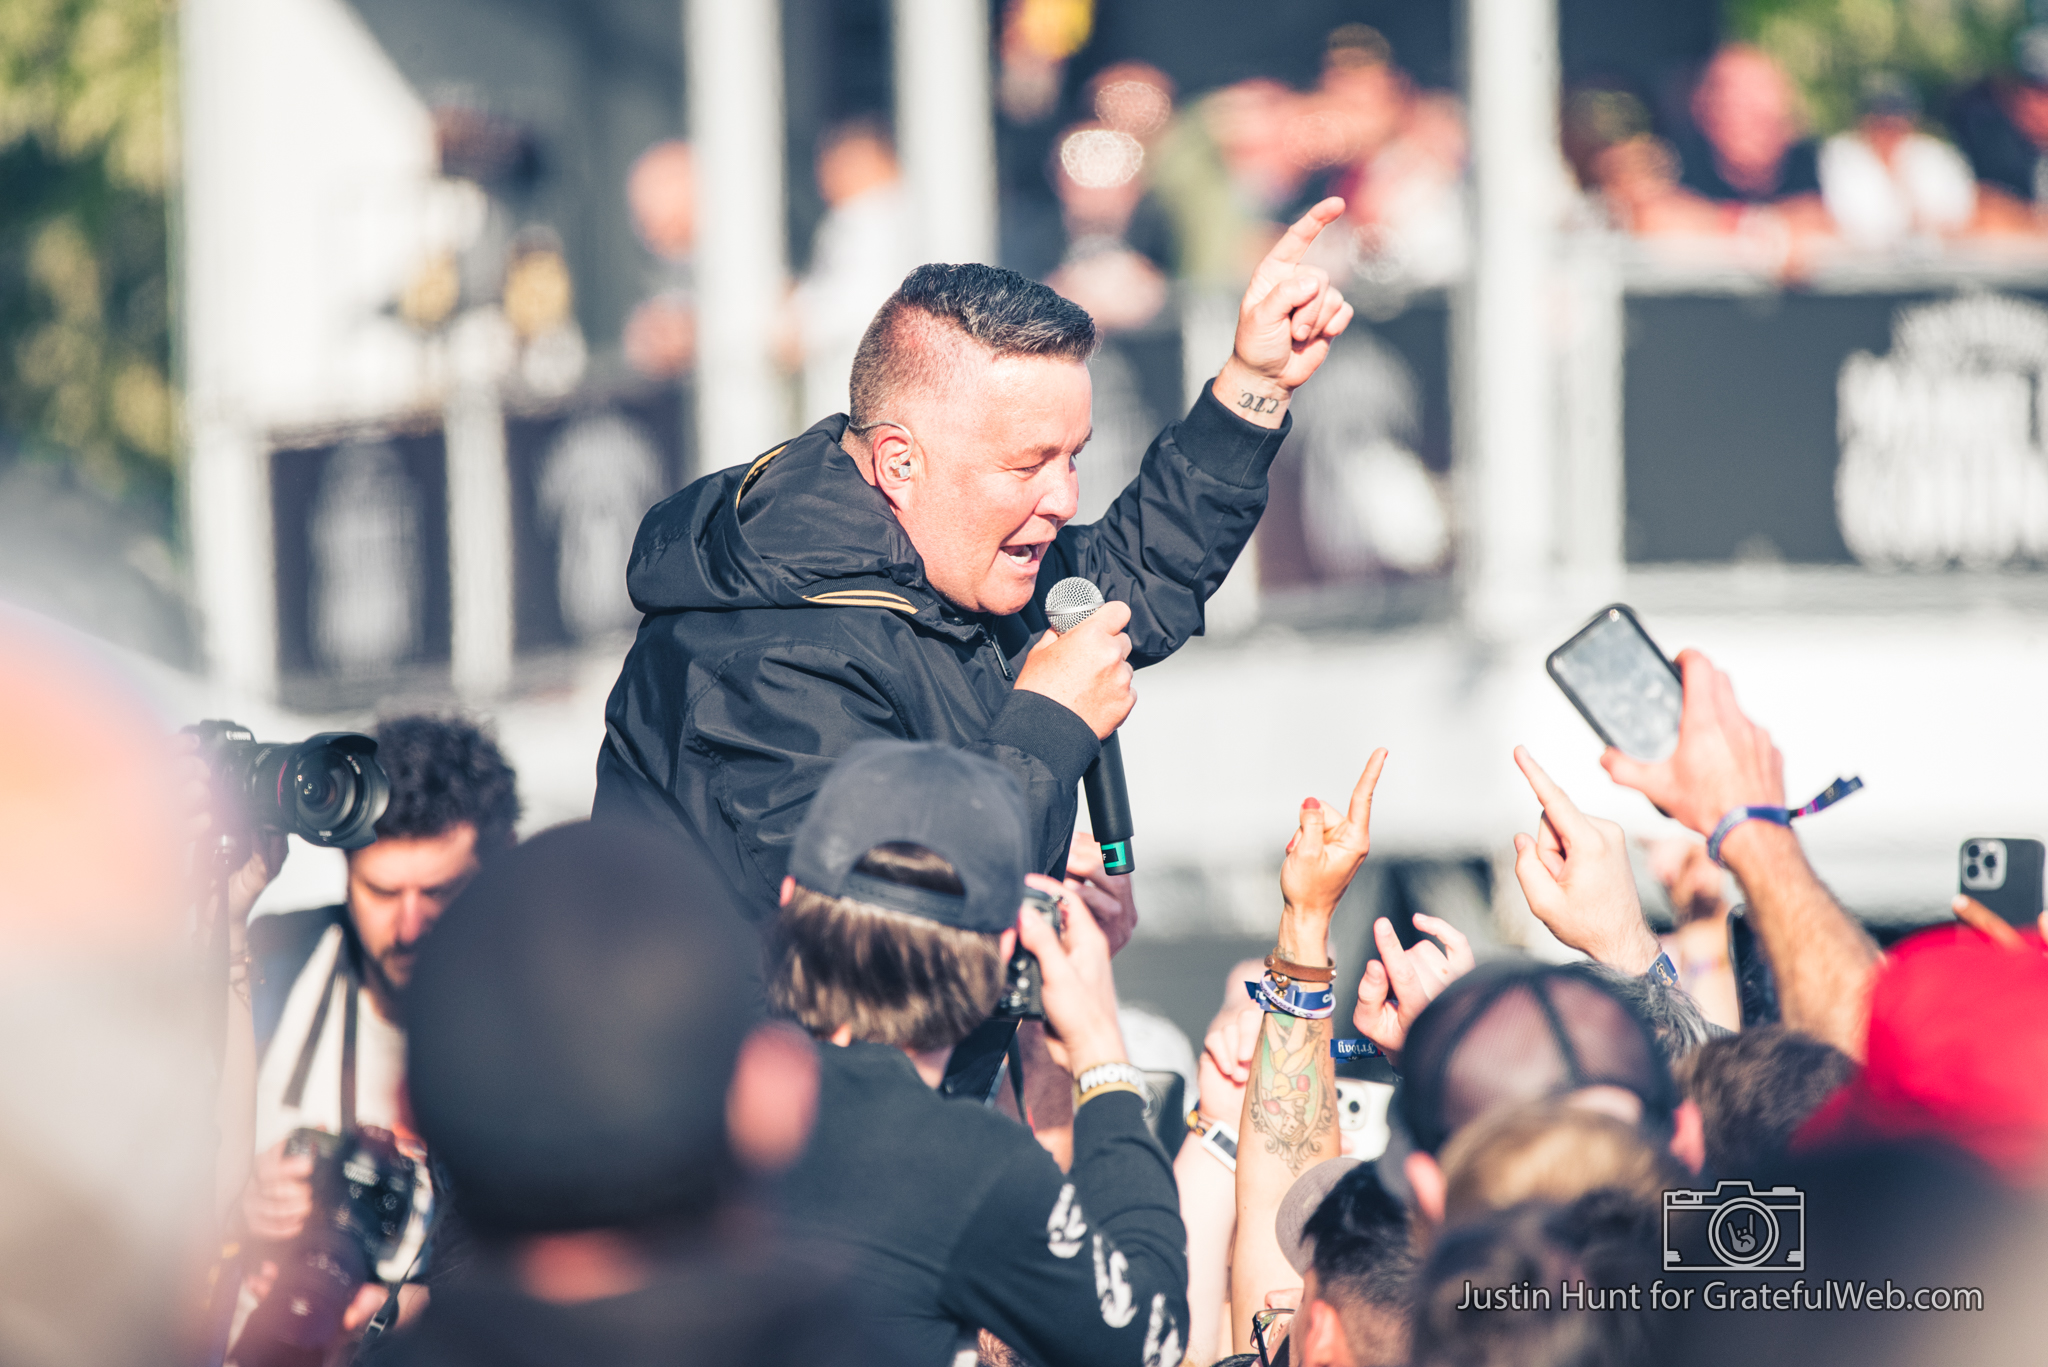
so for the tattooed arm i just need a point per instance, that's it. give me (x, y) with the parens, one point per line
(1290, 1102)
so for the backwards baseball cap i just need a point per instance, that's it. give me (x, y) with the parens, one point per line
(1517, 1031)
(1958, 1051)
(966, 809)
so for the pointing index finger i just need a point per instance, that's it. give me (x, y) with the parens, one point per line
(1294, 244)
(1360, 814)
(1557, 805)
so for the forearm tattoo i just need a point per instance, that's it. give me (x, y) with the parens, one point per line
(1257, 403)
(1293, 1100)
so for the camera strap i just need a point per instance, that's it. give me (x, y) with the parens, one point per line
(1016, 1054)
(295, 1090)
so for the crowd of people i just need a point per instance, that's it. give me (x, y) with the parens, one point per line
(807, 1046)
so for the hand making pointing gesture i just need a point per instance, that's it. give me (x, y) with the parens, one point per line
(1289, 316)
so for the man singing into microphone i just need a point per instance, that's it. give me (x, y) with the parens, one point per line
(883, 575)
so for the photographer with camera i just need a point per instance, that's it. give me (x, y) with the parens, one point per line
(899, 917)
(331, 1135)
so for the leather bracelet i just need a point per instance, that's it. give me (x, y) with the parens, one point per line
(1301, 973)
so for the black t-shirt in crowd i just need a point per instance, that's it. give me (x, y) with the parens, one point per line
(950, 1218)
(1798, 173)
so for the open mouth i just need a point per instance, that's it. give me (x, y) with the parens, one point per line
(1025, 556)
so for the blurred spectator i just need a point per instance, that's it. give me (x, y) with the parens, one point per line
(107, 1100)
(1698, 942)
(1608, 143)
(1549, 1151)
(1098, 174)
(1755, 1089)
(1515, 1032)
(1350, 1243)
(329, 986)
(859, 254)
(1886, 183)
(1748, 149)
(1225, 173)
(1476, 1307)
(1205, 1168)
(600, 1099)
(1958, 1053)
(2001, 124)
(661, 334)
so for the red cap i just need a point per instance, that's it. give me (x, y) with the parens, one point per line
(1958, 1052)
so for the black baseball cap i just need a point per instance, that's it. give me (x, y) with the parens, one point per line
(1516, 1030)
(572, 1026)
(966, 809)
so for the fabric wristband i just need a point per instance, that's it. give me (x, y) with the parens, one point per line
(1778, 816)
(1310, 1003)
(1663, 971)
(1104, 1089)
(1354, 1048)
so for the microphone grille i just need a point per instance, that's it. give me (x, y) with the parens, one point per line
(1070, 603)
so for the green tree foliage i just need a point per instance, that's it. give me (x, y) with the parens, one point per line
(1830, 46)
(86, 161)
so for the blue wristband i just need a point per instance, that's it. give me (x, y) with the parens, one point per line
(1313, 1002)
(1353, 1048)
(1779, 816)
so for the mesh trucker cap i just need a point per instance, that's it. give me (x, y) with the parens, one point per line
(1518, 1031)
(966, 809)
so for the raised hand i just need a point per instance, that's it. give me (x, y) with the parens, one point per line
(1399, 983)
(1285, 325)
(1723, 761)
(1576, 875)
(1328, 846)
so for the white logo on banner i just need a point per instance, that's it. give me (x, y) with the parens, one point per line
(597, 482)
(1942, 450)
(366, 561)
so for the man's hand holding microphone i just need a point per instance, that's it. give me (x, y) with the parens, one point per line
(1086, 669)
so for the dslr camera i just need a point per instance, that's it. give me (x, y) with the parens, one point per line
(327, 789)
(1023, 980)
(362, 1202)
(1735, 1227)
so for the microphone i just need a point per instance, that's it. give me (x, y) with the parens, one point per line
(1068, 604)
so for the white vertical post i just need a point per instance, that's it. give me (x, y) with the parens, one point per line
(1505, 373)
(479, 544)
(227, 476)
(733, 52)
(945, 126)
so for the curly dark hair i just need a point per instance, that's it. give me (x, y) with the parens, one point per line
(445, 771)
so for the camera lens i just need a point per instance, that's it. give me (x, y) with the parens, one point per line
(1990, 861)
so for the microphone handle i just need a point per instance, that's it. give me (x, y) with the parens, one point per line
(1109, 806)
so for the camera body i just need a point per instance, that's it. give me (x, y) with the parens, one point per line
(327, 789)
(1735, 1228)
(1023, 981)
(362, 1202)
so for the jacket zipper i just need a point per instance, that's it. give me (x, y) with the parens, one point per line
(1001, 663)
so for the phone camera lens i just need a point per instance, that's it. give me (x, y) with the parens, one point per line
(1972, 849)
(1990, 861)
(1971, 871)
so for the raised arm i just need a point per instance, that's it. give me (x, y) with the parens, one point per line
(1290, 1101)
(1169, 539)
(1822, 959)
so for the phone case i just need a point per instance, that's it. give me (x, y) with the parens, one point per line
(2005, 874)
(1612, 610)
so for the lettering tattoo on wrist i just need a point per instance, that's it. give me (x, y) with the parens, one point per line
(1257, 403)
(1293, 1106)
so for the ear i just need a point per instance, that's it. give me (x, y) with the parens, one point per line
(1426, 1180)
(1689, 1135)
(773, 1098)
(894, 464)
(788, 890)
(1323, 1340)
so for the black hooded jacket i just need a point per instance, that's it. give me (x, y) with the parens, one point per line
(788, 617)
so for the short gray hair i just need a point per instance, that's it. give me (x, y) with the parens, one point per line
(1672, 1015)
(906, 346)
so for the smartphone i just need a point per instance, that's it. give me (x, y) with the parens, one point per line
(1756, 988)
(1023, 982)
(2005, 874)
(1622, 684)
